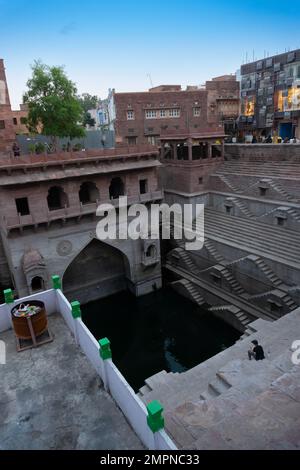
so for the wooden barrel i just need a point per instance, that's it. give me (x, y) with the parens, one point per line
(39, 321)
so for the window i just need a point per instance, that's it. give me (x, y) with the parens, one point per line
(280, 221)
(262, 191)
(269, 62)
(57, 198)
(277, 67)
(215, 278)
(298, 71)
(151, 251)
(23, 120)
(15, 121)
(116, 188)
(143, 186)
(200, 180)
(197, 111)
(150, 114)
(152, 139)
(22, 206)
(131, 140)
(2, 124)
(163, 113)
(174, 112)
(88, 193)
(228, 209)
(37, 284)
(130, 115)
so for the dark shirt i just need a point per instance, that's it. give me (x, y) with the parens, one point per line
(259, 353)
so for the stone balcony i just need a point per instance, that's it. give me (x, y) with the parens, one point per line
(75, 212)
(61, 165)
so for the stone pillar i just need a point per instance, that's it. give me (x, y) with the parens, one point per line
(175, 150)
(162, 150)
(209, 150)
(190, 149)
(222, 149)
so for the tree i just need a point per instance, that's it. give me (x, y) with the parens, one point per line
(88, 101)
(88, 120)
(53, 106)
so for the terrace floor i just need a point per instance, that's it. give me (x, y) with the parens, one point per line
(51, 398)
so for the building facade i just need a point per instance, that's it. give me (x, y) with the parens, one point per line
(270, 96)
(11, 122)
(143, 117)
(48, 222)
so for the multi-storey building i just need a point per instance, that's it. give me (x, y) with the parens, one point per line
(143, 117)
(270, 96)
(11, 122)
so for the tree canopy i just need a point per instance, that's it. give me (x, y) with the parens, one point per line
(53, 106)
(88, 101)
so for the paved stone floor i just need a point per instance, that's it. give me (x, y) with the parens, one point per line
(51, 398)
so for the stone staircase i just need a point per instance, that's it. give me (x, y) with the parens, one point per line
(214, 396)
(193, 291)
(234, 284)
(188, 261)
(269, 273)
(228, 183)
(279, 189)
(277, 243)
(242, 206)
(275, 169)
(209, 245)
(241, 316)
(293, 213)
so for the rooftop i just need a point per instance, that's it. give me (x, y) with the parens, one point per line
(51, 398)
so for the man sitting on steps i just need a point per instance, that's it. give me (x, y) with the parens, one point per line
(257, 351)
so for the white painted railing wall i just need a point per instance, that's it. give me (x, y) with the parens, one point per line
(114, 382)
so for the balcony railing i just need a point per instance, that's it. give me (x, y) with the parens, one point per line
(8, 159)
(46, 216)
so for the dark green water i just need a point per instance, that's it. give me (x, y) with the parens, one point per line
(162, 330)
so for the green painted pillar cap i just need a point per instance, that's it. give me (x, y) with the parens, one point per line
(8, 296)
(76, 311)
(155, 419)
(56, 282)
(105, 351)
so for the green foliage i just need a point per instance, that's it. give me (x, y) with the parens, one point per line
(53, 107)
(88, 120)
(31, 148)
(88, 101)
(40, 148)
(77, 147)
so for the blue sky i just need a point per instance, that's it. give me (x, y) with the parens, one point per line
(117, 44)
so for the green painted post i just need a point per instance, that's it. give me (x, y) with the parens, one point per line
(105, 351)
(56, 282)
(155, 419)
(8, 296)
(76, 312)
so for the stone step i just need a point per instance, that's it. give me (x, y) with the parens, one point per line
(210, 211)
(219, 385)
(258, 244)
(264, 236)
